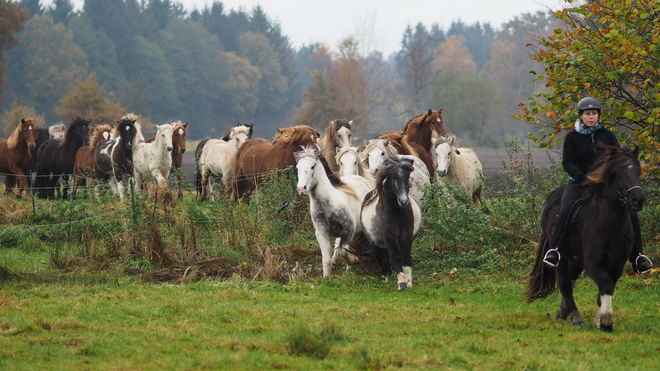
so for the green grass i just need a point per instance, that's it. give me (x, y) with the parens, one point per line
(450, 322)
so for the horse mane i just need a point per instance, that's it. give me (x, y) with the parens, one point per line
(295, 134)
(72, 127)
(379, 142)
(391, 162)
(116, 131)
(132, 116)
(97, 134)
(610, 159)
(330, 133)
(14, 138)
(412, 127)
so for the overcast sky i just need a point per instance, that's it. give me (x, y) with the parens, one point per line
(330, 21)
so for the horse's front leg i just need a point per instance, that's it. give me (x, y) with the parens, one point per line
(604, 319)
(397, 261)
(567, 308)
(326, 252)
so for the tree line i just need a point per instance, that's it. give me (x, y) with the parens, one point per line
(214, 67)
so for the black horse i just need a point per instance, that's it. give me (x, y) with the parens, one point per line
(114, 158)
(599, 242)
(391, 219)
(55, 158)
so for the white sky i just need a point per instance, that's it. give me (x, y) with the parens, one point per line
(330, 21)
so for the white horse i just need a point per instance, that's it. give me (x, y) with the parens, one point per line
(460, 166)
(154, 160)
(334, 204)
(218, 158)
(377, 150)
(350, 163)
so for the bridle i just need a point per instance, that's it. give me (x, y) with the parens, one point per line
(623, 195)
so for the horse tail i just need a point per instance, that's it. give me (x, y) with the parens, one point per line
(362, 248)
(541, 280)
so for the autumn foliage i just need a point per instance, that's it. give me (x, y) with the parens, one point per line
(605, 49)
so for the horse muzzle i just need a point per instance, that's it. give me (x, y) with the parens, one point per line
(636, 200)
(442, 173)
(302, 190)
(169, 149)
(403, 201)
(31, 146)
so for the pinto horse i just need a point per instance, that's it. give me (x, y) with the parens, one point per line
(391, 219)
(258, 157)
(460, 166)
(113, 158)
(218, 159)
(178, 149)
(599, 242)
(334, 204)
(56, 157)
(16, 155)
(83, 166)
(422, 128)
(336, 136)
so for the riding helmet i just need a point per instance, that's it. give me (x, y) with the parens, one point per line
(588, 103)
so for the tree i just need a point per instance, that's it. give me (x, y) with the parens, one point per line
(61, 11)
(478, 39)
(12, 117)
(608, 50)
(453, 56)
(12, 17)
(90, 100)
(33, 7)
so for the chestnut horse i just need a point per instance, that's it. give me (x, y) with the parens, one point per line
(422, 128)
(336, 136)
(405, 147)
(15, 155)
(257, 157)
(83, 166)
(178, 149)
(56, 157)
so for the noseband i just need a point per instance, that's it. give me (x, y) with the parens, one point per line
(623, 195)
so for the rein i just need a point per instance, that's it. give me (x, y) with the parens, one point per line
(623, 195)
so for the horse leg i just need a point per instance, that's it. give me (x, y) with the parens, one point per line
(10, 182)
(397, 262)
(326, 253)
(407, 265)
(205, 185)
(567, 308)
(604, 319)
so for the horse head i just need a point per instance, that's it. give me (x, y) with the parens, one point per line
(164, 136)
(57, 131)
(443, 151)
(620, 168)
(240, 134)
(348, 160)
(306, 161)
(392, 180)
(375, 153)
(126, 130)
(179, 136)
(339, 133)
(78, 132)
(28, 132)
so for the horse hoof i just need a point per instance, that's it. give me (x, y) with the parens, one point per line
(402, 286)
(605, 323)
(576, 319)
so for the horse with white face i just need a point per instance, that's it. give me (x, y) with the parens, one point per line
(350, 163)
(154, 160)
(336, 136)
(459, 166)
(334, 204)
(218, 158)
(375, 153)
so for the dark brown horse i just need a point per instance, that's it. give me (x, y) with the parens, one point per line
(257, 157)
(56, 157)
(15, 155)
(423, 127)
(178, 149)
(83, 166)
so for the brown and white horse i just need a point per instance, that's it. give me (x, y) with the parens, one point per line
(83, 166)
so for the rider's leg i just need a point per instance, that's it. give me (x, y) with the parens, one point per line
(572, 192)
(641, 263)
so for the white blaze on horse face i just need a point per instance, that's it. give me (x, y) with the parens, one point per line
(442, 158)
(305, 167)
(181, 132)
(344, 137)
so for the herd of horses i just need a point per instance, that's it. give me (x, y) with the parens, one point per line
(365, 201)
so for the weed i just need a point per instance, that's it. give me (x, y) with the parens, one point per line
(304, 342)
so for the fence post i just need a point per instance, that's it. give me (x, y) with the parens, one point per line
(31, 190)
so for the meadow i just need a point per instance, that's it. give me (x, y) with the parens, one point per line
(153, 283)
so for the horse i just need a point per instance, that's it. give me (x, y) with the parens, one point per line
(218, 159)
(334, 203)
(404, 147)
(257, 157)
(83, 165)
(56, 157)
(598, 242)
(460, 166)
(154, 160)
(16, 155)
(178, 149)
(57, 131)
(350, 163)
(377, 150)
(113, 158)
(336, 136)
(421, 128)
(391, 219)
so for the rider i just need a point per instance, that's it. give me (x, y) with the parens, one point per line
(578, 156)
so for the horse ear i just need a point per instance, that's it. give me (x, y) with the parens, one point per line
(350, 124)
(387, 142)
(635, 152)
(22, 121)
(366, 142)
(185, 126)
(337, 149)
(430, 112)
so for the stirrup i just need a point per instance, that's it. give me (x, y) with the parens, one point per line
(644, 267)
(549, 263)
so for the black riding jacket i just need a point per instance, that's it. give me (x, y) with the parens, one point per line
(580, 151)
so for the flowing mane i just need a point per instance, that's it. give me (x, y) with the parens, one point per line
(383, 144)
(330, 133)
(139, 137)
(116, 131)
(97, 134)
(391, 162)
(295, 134)
(610, 160)
(71, 131)
(15, 137)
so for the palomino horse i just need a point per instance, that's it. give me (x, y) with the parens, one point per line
(198, 153)
(83, 166)
(218, 159)
(56, 157)
(391, 219)
(15, 155)
(422, 128)
(336, 136)
(113, 158)
(258, 157)
(334, 203)
(598, 242)
(460, 166)
(377, 150)
(178, 149)
(349, 162)
(153, 161)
